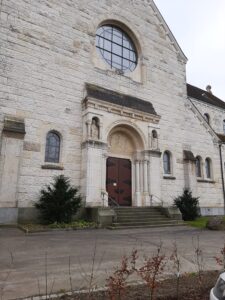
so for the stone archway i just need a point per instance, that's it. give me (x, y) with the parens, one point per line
(122, 167)
(124, 140)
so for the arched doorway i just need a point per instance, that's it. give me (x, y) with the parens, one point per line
(124, 144)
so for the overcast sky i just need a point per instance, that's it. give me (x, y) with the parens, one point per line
(199, 27)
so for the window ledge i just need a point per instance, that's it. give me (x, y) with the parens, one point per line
(206, 180)
(52, 167)
(169, 177)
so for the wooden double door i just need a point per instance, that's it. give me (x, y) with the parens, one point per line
(118, 180)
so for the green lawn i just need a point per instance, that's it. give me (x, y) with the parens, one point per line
(199, 222)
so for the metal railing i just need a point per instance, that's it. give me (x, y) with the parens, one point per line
(156, 200)
(107, 199)
(112, 202)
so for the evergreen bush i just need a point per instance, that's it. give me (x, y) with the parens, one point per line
(188, 205)
(59, 201)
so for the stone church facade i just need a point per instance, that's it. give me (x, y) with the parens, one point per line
(96, 90)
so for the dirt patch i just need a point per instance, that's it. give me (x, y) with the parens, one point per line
(189, 289)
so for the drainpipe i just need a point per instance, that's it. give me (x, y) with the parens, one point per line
(222, 177)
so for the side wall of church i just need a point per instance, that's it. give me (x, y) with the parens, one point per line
(216, 115)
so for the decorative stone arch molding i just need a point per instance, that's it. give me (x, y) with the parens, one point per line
(124, 24)
(120, 21)
(123, 140)
(131, 129)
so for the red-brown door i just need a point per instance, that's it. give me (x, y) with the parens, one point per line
(118, 180)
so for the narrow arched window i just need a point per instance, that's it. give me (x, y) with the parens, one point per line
(52, 148)
(207, 118)
(224, 126)
(208, 168)
(167, 162)
(198, 166)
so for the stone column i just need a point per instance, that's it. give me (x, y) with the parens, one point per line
(146, 186)
(100, 130)
(145, 176)
(104, 193)
(137, 183)
(88, 128)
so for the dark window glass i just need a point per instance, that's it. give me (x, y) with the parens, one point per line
(116, 48)
(224, 126)
(206, 116)
(198, 167)
(52, 148)
(166, 163)
(207, 168)
(154, 134)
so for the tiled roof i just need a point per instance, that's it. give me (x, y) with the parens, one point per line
(204, 96)
(221, 137)
(120, 99)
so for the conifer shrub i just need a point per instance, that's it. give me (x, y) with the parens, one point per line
(58, 201)
(188, 205)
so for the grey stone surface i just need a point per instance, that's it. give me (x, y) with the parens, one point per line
(8, 215)
(171, 212)
(30, 252)
(28, 215)
(101, 215)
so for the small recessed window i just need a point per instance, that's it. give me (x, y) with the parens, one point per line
(167, 162)
(52, 148)
(116, 48)
(207, 118)
(208, 168)
(224, 126)
(198, 166)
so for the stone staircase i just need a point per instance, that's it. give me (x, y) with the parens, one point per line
(142, 217)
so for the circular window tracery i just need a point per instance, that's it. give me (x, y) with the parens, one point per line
(116, 48)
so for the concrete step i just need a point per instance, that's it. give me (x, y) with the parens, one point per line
(123, 219)
(143, 223)
(146, 226)
(141, 217)
(136, 209)
(138, 214)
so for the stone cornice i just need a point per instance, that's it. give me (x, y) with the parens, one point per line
(120, 110)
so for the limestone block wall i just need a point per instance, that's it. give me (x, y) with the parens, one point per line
(216, 115)
(47, 55)
(201, 142)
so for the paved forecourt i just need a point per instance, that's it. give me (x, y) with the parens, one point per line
(26, 259)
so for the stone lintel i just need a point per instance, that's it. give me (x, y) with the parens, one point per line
(14, 125)
(169, 177)
(52, 167)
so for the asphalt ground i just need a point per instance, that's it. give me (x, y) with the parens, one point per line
(55, 261)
